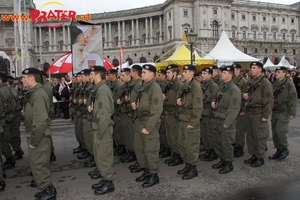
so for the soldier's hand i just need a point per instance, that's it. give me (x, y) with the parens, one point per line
(119, 102)
(179, 102)
(242, 114)
(74, 101)
(246, 96)
(189, 127)
(90, 109)
(133, 106)
(213, 105)
(31, 147)
(291, 117)
(164, 97)
(225, 126)
(264, 119)
(80, 101)
(144, 131)
(126, 98)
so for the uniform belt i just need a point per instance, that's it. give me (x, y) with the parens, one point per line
(221, 110)
(254, 110)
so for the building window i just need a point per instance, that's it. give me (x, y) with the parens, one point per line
(232, 16)
(275, 51)
(292, 21)
(283, 20)
(46, 46)
(185, 13)
(245, 50)
(293, 37)
(170, 15)
(233, 34)
(254, 35)
(256, 50)
(266, 50)
(264, 35)
(244, 35)
(60, 45)
(274, 35)
(170, 33)
(215, 12)
(274, 19)
(254, 18)
(284, 50)
(9, 24)
(243, 17)
(215, 29)
(264, 19)
(294, 51)
(283, 36)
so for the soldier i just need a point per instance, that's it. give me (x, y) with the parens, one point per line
(216, 76)
(198, 77)
(209, 88)
(188, 111)
(284, 110)
(258, 107)
(37, 126)
(148, 107)
(241, 82)
(227, 108)
(73, 89)
(102, 109)
(2, 124)
(174, 89)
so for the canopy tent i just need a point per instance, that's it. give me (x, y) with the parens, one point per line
(182, 56)
(225, 51)
(269, 65)
(285, 63)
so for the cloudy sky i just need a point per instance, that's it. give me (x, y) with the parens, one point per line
(94, 6)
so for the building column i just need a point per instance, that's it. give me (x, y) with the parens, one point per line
(137, 33)
(50, 42)
(35, 39)
(119, 33)
(123, 37)
(40, 45)
(105, 36)
(132, 34)
(147, 37)
(160, 30)
(64, 38)
(109, 29)
(151, 31)
(69, 39)
(54, 42)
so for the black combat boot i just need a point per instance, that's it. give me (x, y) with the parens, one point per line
(204, 156)
(96, 175)
(107, 187)
(121, 150)
(85, 154)
(276, 154)
(98, 185)
(144, 176)
(152, 180)
(90, 163)
(185, 169)
(9, 163)
(52, 157)
(219, 165)
(176, 161)
(93, 172)
(238, 152)
(124, 157)
(136, 164)
(162, 148)
(79, 149)
(47, 194)
(2, 186)
(227, 167)
(212, 156)
(250, 160)
(136, 169)
(284, 153)
(258, 162)
(165, 153)
(18, 155)
(170, 159)
(191, 173)
(33, 184)
(130, 158)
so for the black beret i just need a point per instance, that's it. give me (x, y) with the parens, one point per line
(258, 64)
(3, 75)
(31, 70)
(98, 68)
(112, 71)
(208, 70)
(137, 67)
(199, 73)
(281, 68)
(85, 72)
(172, 66)
(214, 67)
(162, 71)
(75, 74)
(149, 67)
(227, 68)
(125, 69)
(190, 67)
(238, 66)
(43, 73)
(10, 78)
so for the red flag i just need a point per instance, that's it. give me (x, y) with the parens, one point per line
(121, 58)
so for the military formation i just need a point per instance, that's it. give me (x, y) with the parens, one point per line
(142, 114)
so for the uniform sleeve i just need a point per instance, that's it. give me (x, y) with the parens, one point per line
(118, 91)
(292, 103)
(156, 108)
(234, 106)
(267, 98)
(197, 106)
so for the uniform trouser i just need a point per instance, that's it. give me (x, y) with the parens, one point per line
(127, 131)
(257, 134)
(189, 143)
(6, 149)
(117, 134)
(147, 147)
(39, 159)
(104, 153)
(223, 139)
(240, 131)
(206, 132)
(15, 137)
(171, 125)
(1, 161)
(79, 131)
(163, 140)
(280, 128)
(87, 135)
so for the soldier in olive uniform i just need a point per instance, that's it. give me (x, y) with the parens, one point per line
(209, 88)
(102, 109)
(216, 76)
(284, 110)
(73, 89)
(174, 89)
(258, 109)
(37, 127)
(148, 108)
(2, 124)
(198, 77)
(189, 110)
(241, 82)
(227, 108)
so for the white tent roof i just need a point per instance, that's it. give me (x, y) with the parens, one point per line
(269, 64)
(226, 51)
(284, 62)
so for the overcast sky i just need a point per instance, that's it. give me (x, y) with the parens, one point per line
(96, 6)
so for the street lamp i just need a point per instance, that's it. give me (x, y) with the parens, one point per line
(191, 38)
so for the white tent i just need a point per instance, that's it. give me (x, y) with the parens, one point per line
(269, 65)
(225, 52)
(284, 62)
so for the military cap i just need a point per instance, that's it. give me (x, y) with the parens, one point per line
(125, 69)
(98, 68)
(112, 71)
(10, 78)
(75, 74)
(137, 67)
(214, 67)
(238, 66)
(85, 72)
(43, 73)
(172, 66)
(281, 68)
(149, 67)
(258, 64)
(31, 70)
(161, 71)
(208, 70)
(190, 67)
(3, 75)
(228, 68)
(199, 73)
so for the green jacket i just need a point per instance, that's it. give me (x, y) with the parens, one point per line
(17, 97)
(137, 84)
(36, 109)
(174, 93)
(2, 121)
(229, 105)
(125, 91)
(217, 79)
(193, 104)
(210, 89)
(116, 90)
(87, 97)
(241, 82)
(162, 84)
(102, 108)
(150, 106)
(286, 98)
(78, 96)
(49, 92)
(8, 101)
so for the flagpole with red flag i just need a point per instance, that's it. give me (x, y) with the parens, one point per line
(121, 58)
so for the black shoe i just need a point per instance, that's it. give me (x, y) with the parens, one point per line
(107, 187)
(250, 160)
(89, 160)
(136, 164)
(130, 158)
(120, 151)
(207, 153)
(18, 155)
(275, 155)
(227, 167)
(90, 164)
(144, 176)
(238, 152)
(136, 169)
(176, 161)
(52, 157)
(212, 156)
(93, 172)
(9, 163)
(78, 149)
(85, 154)
(47, 194)
(152, 180)
(98, 185)
(191, 173)
(2, 186)
(162, 148)
(165, 153)
(258, 162)
(4, 175)
(96, 175)
(33, 184)
(124, 157)
(219, 165)
(284, 153)
(185, 169)
(170, 159)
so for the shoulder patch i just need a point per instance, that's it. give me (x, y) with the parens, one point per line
(268, 94)
(198, 99)
(234, 101)
(155, 101)
(100, 105)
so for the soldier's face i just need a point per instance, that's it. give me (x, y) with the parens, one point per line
(160, 77)
(27, 80)
(92, 76)
(147, 75)
(280, 74)
(206, 76)
(199, 79)
(170, 75)
(226, 76)
(255, 71)
(125, 77)
(187, 75)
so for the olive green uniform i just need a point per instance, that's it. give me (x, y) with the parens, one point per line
(78, 116)
(226, 112)
(285, 106)
(162, 129)
(217, 79)
(149, 110)
(37, 127)
(259, 107)
(87, 132)
(190, 114)
(241, 82)
(171, 123)
(2, 124)
(102, 129)
(209, 89)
